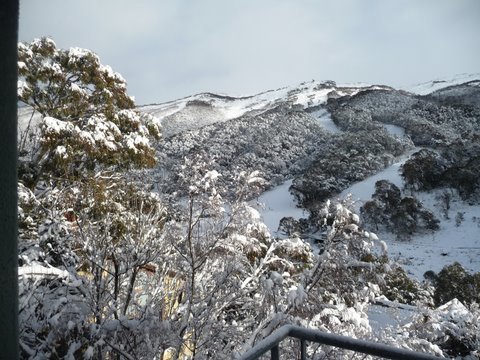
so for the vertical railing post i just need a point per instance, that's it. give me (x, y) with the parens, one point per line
(275, 353)
(303, 350)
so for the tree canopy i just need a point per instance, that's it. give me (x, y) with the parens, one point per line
(88, 119)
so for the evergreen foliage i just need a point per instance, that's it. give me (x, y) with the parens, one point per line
(343, 160)
(454, 282)
(456, 166)
(88, 120)
(403, 215)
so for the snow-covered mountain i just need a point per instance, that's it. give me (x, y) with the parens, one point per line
(412, 156)
(438, 84)
(299, 133)
(203, 109)
(322, 138)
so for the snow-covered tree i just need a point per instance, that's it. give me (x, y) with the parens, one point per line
(105, 274)
(88, 119)
(344, 159)
(403, 215)
(347, 255)
(90, 235)
(454, 282)
(88, 273)
(234, 281)
(456, 165)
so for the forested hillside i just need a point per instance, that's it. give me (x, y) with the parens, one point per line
(140, 236)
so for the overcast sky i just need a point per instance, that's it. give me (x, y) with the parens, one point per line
(171, 49)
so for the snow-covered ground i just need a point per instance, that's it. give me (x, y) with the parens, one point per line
(325, 119)
(434, 250)
(443, 247)
(362, 191)
(386, 314)
(431, 86)
(278, 203)
(431, 251)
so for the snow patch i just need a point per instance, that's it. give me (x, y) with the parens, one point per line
(324, 118)
(431, 86)
(362, 191)
(277, 204)
(394, 130)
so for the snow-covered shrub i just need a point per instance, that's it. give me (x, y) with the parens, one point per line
(350, 272)
(444, 200)
(457, 166)
(459, 218)
(410, 217)
(290, 225)
(451, 330)
(403, 215)
(372, 106)
(424, 170)
(453, 281)
(428, 121)
(348, 263)
(277, 144)
(344, 320)
(235, 282)
(84, 265)
(404, 289)
(52, 313)
(433, 125)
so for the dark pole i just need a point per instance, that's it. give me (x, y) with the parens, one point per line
(9, 347)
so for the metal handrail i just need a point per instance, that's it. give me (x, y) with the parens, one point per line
(271, 342)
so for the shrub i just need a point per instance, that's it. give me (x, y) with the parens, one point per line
(453, 281)
(404, 216)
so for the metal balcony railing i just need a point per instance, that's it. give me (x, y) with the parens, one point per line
(271, 343)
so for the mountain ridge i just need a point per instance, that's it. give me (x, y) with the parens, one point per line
(208, 107)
